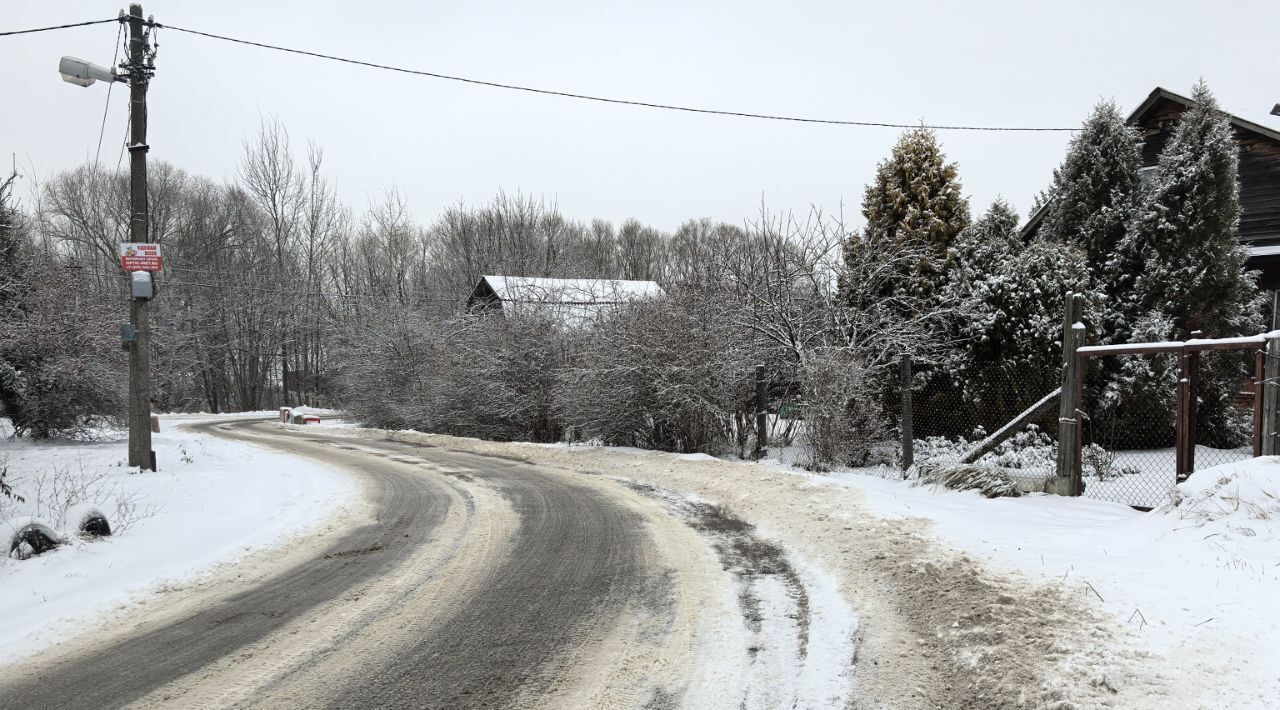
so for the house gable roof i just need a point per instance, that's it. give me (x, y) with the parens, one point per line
(1147, 107)
(1139, 117)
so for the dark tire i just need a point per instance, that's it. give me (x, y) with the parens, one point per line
(95, 525)
(37, 537)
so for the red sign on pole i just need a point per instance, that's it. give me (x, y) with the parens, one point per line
(135, 256)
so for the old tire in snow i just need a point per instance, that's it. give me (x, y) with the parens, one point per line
(87, 520)
(30, 538)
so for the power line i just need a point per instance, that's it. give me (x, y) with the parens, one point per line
(120, 19)
(103, 130)
(603, 99)
(563, 94)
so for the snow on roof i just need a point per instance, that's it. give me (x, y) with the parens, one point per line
(571, 302)
(1269, 250)
(575, 291)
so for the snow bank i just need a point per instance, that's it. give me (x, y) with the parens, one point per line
(1194, 581)
(212, 502)
(1231, 494)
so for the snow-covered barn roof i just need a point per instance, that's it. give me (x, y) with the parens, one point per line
(570, 291)
(572, 302)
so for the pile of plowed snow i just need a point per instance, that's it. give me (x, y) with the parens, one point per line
(1236, 498)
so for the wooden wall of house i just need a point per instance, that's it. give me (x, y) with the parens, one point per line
(1259, 171)
(1259, 188)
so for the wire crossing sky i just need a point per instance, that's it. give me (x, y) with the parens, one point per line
(734, 104)
(553, 92)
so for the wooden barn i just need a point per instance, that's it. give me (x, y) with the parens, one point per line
(571, 302)
(1259, 177)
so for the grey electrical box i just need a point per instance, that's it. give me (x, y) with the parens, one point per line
(143, 286)
(128, 335)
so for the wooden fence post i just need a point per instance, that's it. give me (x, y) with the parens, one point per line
(908, 435)
(1270, 395)
(1259, 365)
(762, 412)
(1192, 375)
(1070, 432)
(1181, 430)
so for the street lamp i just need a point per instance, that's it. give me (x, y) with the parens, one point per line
(138, 69)
(82, 73)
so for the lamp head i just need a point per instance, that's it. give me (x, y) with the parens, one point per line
(82, 73)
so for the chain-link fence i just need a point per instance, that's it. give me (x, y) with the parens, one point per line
(951, 417)
(1130, 452)
(1129, 409)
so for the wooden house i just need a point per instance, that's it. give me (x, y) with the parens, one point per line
(1156, 117)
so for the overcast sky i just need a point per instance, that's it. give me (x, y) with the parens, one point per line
(1002, 64)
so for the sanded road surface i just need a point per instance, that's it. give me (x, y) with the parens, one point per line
(478, 583)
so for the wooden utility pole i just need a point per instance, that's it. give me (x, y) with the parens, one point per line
(1068, 482)
(140, 453)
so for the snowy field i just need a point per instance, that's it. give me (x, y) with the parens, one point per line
(212, 502)
(1194, 582)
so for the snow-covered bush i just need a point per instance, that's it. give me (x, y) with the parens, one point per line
(1101, 463)
(506, 374)
(488, 377)
(1007, 352)
(669, 374)
(842, 419)
(61, 369)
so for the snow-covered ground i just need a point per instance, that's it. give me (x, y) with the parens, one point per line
(1195, 582)
(212, 502)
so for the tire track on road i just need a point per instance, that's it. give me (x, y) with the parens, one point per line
(408, 511)
(481, 583)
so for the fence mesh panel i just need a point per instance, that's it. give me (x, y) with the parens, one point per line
(1129, 414)
(950, 419)
(1225, 418)
(1129, 436)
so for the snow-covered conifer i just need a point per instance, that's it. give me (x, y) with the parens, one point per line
(1185, 232)
(913, 204)
(1183, 245)
(1008, 346)
(1093, 190)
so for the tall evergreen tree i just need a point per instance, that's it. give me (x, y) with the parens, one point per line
(1093, 191)
(1185, 231)
(913, 206)
(1191, 275)
(1007, 350)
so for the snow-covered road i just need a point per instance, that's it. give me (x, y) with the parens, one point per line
(477, 581)
(464, 573)
(213, 503)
